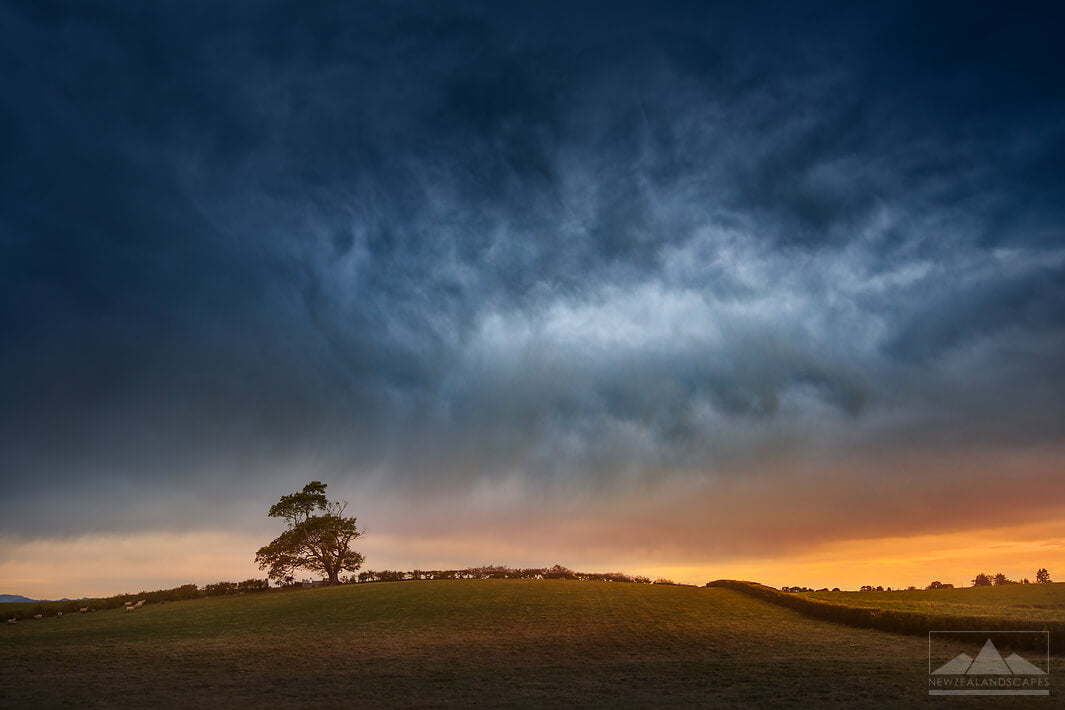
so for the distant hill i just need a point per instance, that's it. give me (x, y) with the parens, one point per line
(20, 598)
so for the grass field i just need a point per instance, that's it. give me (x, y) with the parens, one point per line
(1012, 601)
(495, 643)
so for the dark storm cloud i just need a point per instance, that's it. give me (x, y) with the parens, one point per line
(442, 244)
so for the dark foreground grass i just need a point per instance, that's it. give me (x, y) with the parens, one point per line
(493, 643)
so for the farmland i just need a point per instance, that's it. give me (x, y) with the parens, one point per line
(1011, 601)
(500, 643)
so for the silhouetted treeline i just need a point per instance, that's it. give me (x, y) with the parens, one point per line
(185, 591)
(939, 585)
(222, 588)
(808, 589)
(986, 580)
(498, 572)
(903, 622)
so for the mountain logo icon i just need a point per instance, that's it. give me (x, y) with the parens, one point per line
(988, 662)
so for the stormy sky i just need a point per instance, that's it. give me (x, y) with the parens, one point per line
(540, 282)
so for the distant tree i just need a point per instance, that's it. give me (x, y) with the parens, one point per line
(560, 572)
(186, 591)
(318, 537)
(982, 580)
(1042, 576)
(219, 589)
(253, 585)
(1001, 579)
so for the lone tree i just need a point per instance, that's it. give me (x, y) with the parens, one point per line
(318, 537)
(1042, 576)
(983, 580)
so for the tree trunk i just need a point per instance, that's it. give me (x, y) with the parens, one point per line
(334, 577)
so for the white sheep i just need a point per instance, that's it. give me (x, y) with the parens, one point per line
(130, 609)
(129, 603)
(139, 604)
(12, 620)
(38, 616)
(83, 610)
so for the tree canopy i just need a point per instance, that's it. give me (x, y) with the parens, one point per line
(318, 537)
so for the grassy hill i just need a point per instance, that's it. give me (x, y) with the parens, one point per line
(495, 643)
